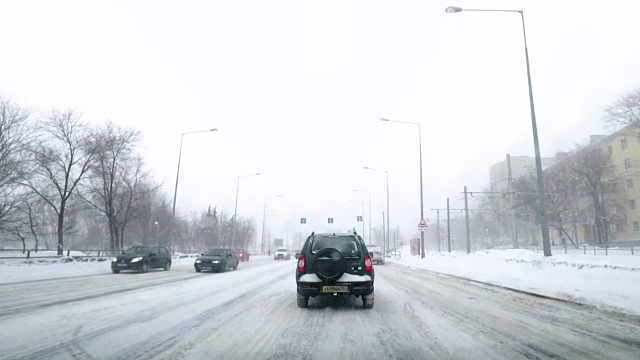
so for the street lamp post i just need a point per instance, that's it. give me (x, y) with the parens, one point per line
(362, 205)
(369, 221)
(422, 252)
(264, 220)
(175, 193)
(384, 248)
(546, 244)
(157, 230)
(235, 211)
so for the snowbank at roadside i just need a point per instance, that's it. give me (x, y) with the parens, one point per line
(604, 281)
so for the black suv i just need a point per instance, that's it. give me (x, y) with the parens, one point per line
(334, 264)
(142, 258)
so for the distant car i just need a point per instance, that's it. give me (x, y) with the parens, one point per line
(377, 257)
(217, 260)
(242, 254)
(334, 265)
(282, 254)
(142, 258)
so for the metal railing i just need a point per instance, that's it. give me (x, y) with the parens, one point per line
(584, 249)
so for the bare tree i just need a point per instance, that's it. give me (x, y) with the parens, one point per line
(116, 173)
(60, 163)
(625, 111)
(15, 134)
(596, 175)
(562, 201)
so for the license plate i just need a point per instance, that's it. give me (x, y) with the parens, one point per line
(122, 265)
(335, 289)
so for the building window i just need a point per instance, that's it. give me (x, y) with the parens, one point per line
(632, 204)
(610, 149)
(629, 183)
(624, 144)
(636, 226)
(627, 164)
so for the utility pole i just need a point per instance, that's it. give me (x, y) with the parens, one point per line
(264, 217)
(514, 229)
(395, 242)
(384, 241)
(438, 227)
(448, 226)
(466, 219)
(388, 221)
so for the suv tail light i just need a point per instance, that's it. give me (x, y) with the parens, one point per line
(367, 263)
(301, 264)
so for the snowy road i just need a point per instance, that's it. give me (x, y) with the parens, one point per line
(251, 313)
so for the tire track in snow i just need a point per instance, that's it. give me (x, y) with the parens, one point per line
(40, 303)
(168, 338)
(44, 351)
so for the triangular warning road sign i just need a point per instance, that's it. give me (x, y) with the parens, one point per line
(422, 223)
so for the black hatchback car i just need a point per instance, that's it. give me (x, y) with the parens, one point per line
(217, 260)
(142, 258)
(334, 265)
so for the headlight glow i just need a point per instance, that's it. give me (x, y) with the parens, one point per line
(198, 261)
(114, 259)
(215, 261)
(136, 259)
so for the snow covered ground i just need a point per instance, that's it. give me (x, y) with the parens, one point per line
(604, 281)
(14, 270)
(252, 313)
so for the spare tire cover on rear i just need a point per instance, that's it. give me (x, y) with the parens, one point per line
(329, 264)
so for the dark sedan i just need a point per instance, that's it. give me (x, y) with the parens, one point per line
(217, 260)
(142, 258)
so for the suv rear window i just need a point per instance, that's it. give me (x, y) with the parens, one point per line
(346, 244)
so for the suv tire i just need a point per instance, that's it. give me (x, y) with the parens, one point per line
(167, 265)
(145, 267)
(115, 271)
(367, 301)
(303, 301)
(329, 264)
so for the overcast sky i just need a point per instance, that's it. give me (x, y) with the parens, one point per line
(297, 88)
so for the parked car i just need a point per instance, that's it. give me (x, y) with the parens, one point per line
(377, 257)
(281, 254)
(334, 265)
(142, 258)
(217, 260)
(242, 254)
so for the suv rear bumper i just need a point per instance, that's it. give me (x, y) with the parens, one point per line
(315, 289)
(311, 285)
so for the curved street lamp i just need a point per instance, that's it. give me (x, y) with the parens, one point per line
(388, 223)
(546, 244)
(235, 211)
(369, 220)
(175, 193)
(422, 252)
(264, 219)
